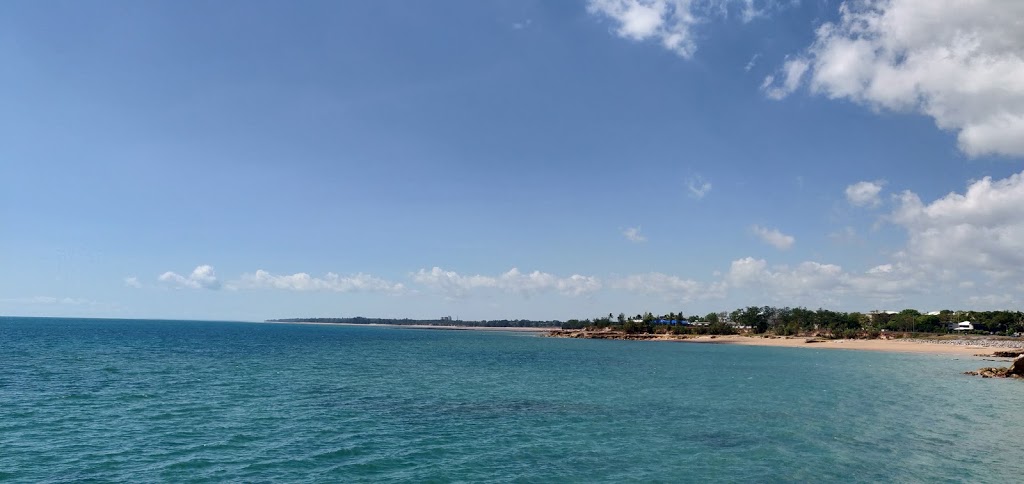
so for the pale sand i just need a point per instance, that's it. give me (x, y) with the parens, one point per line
(890, 345)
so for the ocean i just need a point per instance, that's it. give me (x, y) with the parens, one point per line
(125, 400)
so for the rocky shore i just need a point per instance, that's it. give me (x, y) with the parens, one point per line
(986, 342)
(1016, 370)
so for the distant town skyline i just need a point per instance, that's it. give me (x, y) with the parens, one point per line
(509, 160)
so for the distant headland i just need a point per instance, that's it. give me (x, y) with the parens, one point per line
(443, 322)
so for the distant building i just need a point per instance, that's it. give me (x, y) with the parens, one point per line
(965, 326)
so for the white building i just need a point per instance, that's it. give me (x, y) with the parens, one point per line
(964, 326)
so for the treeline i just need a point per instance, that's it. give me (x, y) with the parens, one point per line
(496, 323)
(796, 321)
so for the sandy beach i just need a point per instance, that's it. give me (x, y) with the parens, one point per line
(959, 347)
(888, 345)
(920, 346)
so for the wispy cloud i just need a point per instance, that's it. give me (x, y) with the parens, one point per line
(459, 285)
(632, 234)
(522, 25)
(773, 237)
(750, 64)
(698, 187)
(132, 281)
(671, 288)
(302, 281)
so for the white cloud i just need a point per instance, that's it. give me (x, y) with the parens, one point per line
(671, 22)
(865, 193)
(132, 281)
(751, 63)
(814, 283)
(302, 281)
(633, 235)
(670, 287)
(980, 230)
(773, 237)
(959, 62)
(202, 277)
(514, 281)
(698, 187)
(667, 21)
(994, 301)
(793, 71)
(522, 25)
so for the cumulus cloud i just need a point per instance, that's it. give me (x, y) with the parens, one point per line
(981, 229)
(671, 22)
(773, 237)
(815, 282)
(202, 277)
(132, 281)
(514, 281)
(302, 281)
(961, 63)
(865, 193)
(632, 234)
(667, 21)
(698, 187)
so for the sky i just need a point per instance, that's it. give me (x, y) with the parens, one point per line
(245, 160)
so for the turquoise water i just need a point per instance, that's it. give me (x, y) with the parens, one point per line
(210, 401)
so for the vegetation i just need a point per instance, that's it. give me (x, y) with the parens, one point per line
(783, 321)
(802, 321)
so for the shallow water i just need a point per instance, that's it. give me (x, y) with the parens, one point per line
(215, 401)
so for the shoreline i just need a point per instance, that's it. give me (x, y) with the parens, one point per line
(905, 345)
(515, 329)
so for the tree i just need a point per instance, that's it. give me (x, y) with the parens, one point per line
(711, 318)
(753, 317)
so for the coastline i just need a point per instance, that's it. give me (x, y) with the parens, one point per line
(906, 345)
(515, 329)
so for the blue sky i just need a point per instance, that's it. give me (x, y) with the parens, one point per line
(511, 159)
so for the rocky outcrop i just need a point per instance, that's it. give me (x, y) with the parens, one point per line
(1016, 370)
(1003, 354)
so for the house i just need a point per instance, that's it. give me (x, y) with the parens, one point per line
(965, 326)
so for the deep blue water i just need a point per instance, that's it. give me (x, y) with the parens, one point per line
(210, 401)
